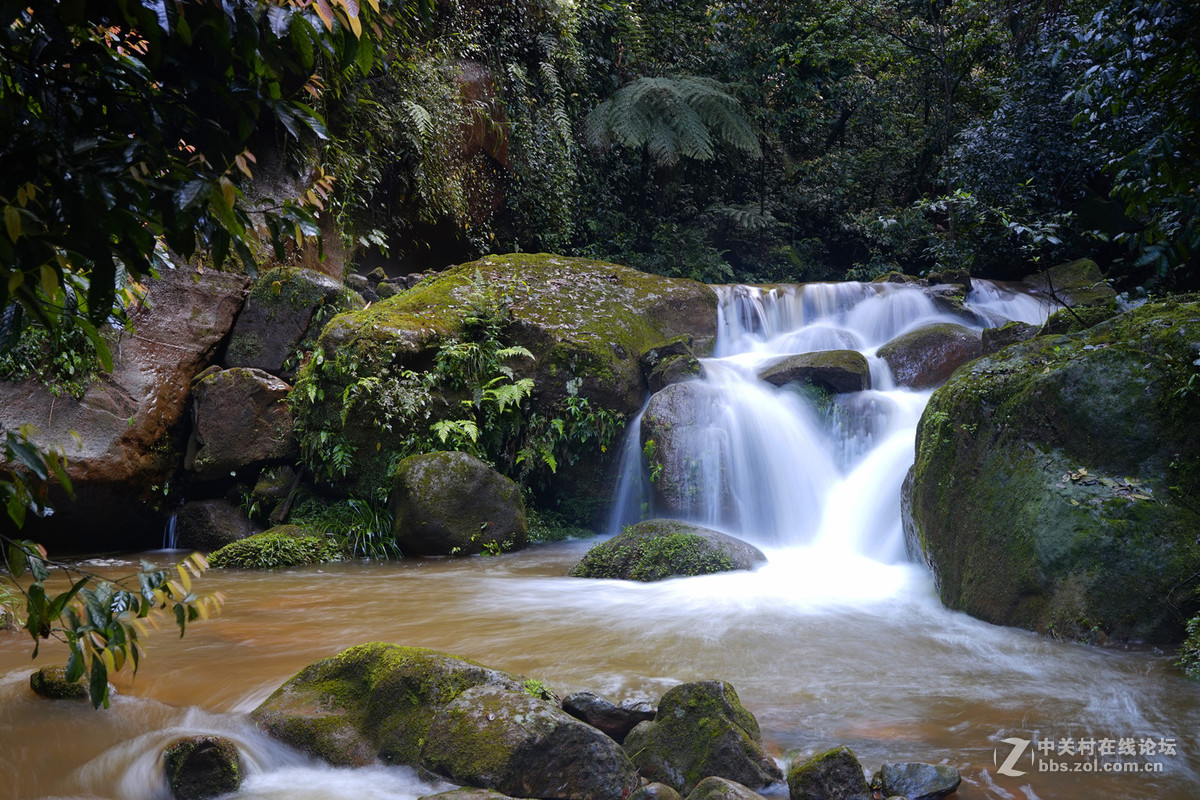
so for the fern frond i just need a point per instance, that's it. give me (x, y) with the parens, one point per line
(672, 118)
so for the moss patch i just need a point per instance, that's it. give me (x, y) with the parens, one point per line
(659, 549)
(281, 546)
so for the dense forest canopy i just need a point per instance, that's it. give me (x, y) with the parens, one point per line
(778, 141)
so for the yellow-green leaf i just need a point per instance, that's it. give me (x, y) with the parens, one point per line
(12, 222)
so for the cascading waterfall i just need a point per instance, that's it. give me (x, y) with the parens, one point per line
(778, 466)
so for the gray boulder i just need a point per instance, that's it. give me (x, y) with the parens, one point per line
(656, 549)
(208, 525)
(129, 420)
(278, 314)
(452, 503)
(524, 746)
(701, 730)
(615, 721)
(673, 420)
(836, 371)
(656, 791)
(669, 363)
(200, 767)
(242, 420)
(926, 357)
(917, 781)
(996, 339)
(832, 775)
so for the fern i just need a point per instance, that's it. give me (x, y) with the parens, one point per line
(672, 118)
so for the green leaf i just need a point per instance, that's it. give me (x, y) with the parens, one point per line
(98, 685)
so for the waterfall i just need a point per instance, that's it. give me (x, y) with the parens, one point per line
(788, 467)
(170, 530)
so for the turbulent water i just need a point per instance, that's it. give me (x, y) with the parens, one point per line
(839, 639)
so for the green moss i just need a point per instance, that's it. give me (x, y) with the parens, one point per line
(282, 546)
(636, 555)
(52, 682)
(377, 697)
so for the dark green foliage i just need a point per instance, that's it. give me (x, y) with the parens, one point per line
(360, 528)
(1188, 656)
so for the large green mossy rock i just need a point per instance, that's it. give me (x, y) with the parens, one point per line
(454, 504)
(1055, 481)
(453, 717)
(1076, 283)
(373, 701)
(585, 322)
(524, 746)
(701, 730)
(656, 549)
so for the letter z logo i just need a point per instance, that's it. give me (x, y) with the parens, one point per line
(1018, 749)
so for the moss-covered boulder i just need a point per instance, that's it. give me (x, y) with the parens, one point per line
(616, 721)
(449, 715)
(278, 313)
(701, 729)
(373, 701)
(656, 549)
(200, 767)
(1074, 320)
(524, 746)
(52, 682)
(832, 775)
(917, 781)
(454, 504)
(714, 788)
(241, 420)
(584, 322)
(835, 371)
(1055, 481)
(281, 546)
(996, 339)
(925, 357)
(1077, 283)
(209, 525)
(467, 793)
(669, 363)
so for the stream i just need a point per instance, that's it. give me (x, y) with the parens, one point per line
(839, 640)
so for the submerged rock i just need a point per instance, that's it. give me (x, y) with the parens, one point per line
(201, 767)
(927, 356)
(836, 371)
(454, 504)
(701, 730)
(917, 781)
(1053, 481)
(52, 682)
(615, 721)
(832, 775)
(656, 549)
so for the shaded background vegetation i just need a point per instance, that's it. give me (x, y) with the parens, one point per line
(995, 136)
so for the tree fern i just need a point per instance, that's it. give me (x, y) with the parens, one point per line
(672, 118)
